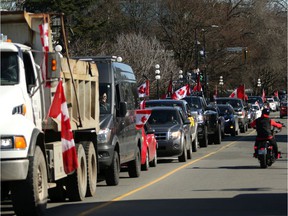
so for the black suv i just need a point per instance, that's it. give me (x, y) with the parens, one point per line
(187, 114)
(240, 111)
(209, 129)
(171, 132)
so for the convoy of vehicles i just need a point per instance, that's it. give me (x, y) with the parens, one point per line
(101, 94)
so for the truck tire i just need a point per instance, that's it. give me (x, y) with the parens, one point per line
(91, 168)
(204, 141)
(29, 197)
(217, 136)
(134, 167)
(112, 173)
(76, 184)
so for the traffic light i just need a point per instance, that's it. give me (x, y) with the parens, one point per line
(201, 76)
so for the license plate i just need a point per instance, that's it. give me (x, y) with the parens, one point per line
(262, 151)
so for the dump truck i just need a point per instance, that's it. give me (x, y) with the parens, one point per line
(31, 147)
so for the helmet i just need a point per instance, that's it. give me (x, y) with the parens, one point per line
(266, 111)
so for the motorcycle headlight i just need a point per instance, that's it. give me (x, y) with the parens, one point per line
(175, 135)
(104, 135)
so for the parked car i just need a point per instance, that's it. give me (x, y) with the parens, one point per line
(187, 114)
(239, 109)
(171, 132)
(283, 109)
(271, 104)
(207, 119)
(231, 119)
(149, 148)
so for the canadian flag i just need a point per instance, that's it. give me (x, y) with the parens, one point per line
(59, 110)
(263, 96)
(143, 104)
(239, 93)
(44, 28)
(142, 117)
(198, 86)
(143, 90)
(181, 93)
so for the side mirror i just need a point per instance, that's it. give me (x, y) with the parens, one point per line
(122, 109)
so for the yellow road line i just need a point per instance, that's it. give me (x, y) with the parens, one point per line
(155, 181)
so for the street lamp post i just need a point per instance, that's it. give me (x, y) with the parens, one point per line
(157, 77)
(221, 83)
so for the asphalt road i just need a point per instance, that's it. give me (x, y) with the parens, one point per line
(219, 180)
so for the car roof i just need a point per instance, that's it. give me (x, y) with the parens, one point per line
(166, 101)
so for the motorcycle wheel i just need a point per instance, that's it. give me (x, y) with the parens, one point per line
(263, 162)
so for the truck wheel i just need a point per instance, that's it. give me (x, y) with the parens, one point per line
(91, 168)
(29, 197)
(112, 173)
(134, 167)
(204, 141)
(217, 136)
(195, 144)
(76, 184)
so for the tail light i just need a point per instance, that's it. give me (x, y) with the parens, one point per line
(255, 147)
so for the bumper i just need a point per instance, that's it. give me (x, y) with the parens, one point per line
(14, 169)
(169, 148)
(105, 155)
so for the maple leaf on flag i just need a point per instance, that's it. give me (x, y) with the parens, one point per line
(142, 116)
(141, 90)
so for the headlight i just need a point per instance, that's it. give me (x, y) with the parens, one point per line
(9, 142)
(200, 118)
(104, 135)
(175, 135)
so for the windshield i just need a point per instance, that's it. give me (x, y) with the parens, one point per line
(9, 68)
(234, 103)
(225, 110)
(105, 98)
(194, 103)
(163, 117)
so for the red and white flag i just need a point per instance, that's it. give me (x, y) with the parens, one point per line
(263, 96)
(239, 93)
(143, 104)
(181, 93)
(44, 34)
(142, 117)
(198, 86)
(59, 110)
(143, 90)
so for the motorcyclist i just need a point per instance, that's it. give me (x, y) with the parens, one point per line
(263, 126)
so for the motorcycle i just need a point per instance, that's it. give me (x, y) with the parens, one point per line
(264, 150)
